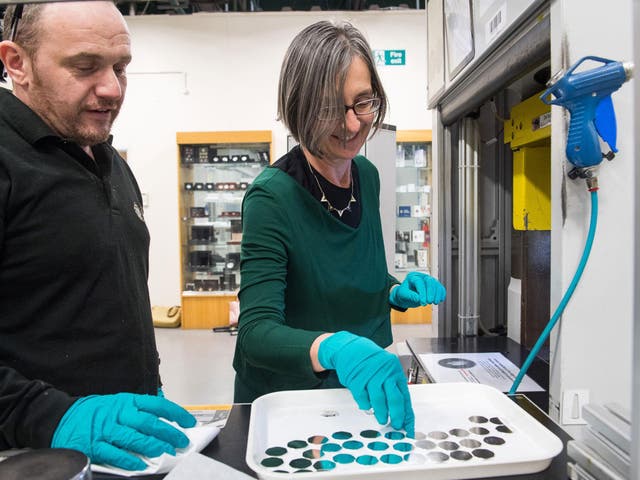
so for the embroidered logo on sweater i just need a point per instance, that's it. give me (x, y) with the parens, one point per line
(139, 212)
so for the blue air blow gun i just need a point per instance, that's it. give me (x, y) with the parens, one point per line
(587, 96)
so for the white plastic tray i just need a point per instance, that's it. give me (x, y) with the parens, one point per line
(463, 430)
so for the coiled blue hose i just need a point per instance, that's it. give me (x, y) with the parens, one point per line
(565, 299)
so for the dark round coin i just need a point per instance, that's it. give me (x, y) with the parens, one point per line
(275, 451)
(426, 444)
(437, 457)
(478, 419)
(377, 446)
(352, 444)
(297, 444)
(503, 429)
(494, 440)
(312, 453)
(46, 464)
(479, 430)
(391, 459)
(324, 465)
(414, 458)
(394, 435)
(330, 447)
(300, 463)
(367, 460)
(482, 453)
(448, 446)
(271, 462)
(403, 447)
(344, 458)
(470, 443)
(461, 455)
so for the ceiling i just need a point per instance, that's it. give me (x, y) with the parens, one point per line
(186, 7)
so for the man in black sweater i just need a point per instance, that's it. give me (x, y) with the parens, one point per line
(78, 359)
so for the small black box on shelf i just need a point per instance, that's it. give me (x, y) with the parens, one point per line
(198, 186)
(203, 154)
(233, 261)
(229, 280)
(188, 186)
(235, 158)
(200, 260)
(236, 225)
(202, 234)
(198, 212)
(187, 154)
(209, 186)
(244, 158)
(224, 158)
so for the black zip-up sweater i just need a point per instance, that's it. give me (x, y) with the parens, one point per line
(75, 317)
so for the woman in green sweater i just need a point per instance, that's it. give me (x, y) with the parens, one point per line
(315, 293)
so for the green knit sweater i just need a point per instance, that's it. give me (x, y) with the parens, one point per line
(304, 273)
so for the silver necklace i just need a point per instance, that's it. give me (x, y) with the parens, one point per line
(324, 198)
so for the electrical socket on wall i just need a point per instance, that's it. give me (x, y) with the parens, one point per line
(571, 409)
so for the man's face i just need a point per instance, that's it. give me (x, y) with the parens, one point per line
(78, 80)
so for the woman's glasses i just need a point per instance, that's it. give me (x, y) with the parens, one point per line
(361, 108)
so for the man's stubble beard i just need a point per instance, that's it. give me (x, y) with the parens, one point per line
(66, 126)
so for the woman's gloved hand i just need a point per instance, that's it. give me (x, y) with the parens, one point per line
(373, 375)
(418, 289)
(107, 428)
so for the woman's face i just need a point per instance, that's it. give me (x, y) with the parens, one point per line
(347, 138)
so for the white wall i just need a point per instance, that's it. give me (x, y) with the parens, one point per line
(592, 347)
(219, 71)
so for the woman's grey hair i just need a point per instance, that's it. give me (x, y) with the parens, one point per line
(312, 80)
(28, 33)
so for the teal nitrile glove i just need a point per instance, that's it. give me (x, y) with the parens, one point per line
(418, 289)
(109, 428)
(373, 375)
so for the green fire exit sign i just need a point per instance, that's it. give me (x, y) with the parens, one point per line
(389, 57)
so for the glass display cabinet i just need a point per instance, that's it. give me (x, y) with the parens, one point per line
(215, 170)
(413, 213)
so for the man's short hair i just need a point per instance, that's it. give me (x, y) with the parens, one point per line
(28, 28)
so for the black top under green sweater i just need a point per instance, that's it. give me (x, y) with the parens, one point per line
(304, 273)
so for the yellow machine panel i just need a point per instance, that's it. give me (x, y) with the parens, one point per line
(529, 132)
(532, 188)
(529, 124)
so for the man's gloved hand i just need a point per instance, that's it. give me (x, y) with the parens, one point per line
(107, 427)
(373, 375)
(418, 289)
